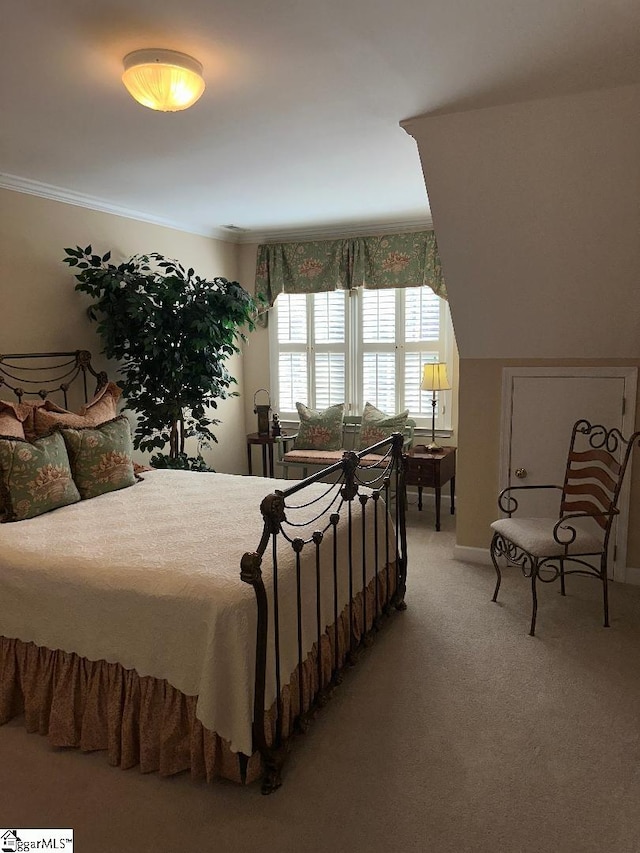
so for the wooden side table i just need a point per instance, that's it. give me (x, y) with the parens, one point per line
(433, 470)
(266, 442)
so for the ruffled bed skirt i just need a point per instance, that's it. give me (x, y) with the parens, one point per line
(95, 705)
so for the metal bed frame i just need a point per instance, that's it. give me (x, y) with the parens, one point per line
(355, 478)
(76, 363)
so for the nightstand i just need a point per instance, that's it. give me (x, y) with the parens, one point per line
(432, 470)
(266, 442)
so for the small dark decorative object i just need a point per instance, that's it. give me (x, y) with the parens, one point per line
(262, 411)
(275, 426)
(172, 332)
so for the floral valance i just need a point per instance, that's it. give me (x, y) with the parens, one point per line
(395, 260)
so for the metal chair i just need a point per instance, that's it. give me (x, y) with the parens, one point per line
(542, 547)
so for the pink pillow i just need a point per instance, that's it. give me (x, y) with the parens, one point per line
(103, 407)
(12, 417)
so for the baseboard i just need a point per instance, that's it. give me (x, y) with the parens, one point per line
(472, 555)
(632, 576)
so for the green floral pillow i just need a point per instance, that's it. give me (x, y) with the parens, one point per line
(376, 425)
(101, 457)
(35, 478)
(319, 430)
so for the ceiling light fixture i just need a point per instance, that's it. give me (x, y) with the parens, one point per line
(165, 80)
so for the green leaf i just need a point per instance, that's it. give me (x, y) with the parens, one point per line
(171, 332)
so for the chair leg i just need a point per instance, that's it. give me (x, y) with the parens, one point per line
(562, 587)
(534, 598)
(496, 567)
(605, 591)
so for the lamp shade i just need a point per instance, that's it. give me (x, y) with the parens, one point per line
(434, 377)
(165, 80)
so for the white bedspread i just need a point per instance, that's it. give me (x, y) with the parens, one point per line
(149, 577)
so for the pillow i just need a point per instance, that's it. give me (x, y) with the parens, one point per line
(319, 430)
(35, 478)
(104, 404)
(12, 417)
(100, 457)
(102, 408)
(28, 424)
(138, 468)
(376, 425)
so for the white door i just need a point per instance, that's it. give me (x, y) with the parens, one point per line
(540, 407)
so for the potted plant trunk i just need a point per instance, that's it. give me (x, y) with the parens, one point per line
(172, 333)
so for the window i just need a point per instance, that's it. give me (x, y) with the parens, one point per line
(359, 346)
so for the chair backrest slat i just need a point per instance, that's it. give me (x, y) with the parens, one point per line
(593, 473)
(593, 490)
(596, 456)
(586, 506)
(596, 465)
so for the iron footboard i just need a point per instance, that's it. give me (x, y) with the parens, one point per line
(350, 510)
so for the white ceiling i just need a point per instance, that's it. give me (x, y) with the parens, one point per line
(298, 129)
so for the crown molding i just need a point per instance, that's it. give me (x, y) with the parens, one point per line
(335, 232)
(229, 234)
(37, 188)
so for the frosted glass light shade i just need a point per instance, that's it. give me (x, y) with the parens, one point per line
(434, 377)
(165, 80)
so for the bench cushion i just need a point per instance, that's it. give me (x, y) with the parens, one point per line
(323, 457)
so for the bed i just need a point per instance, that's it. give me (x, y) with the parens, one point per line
(193, 621)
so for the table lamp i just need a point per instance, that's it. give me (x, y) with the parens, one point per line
(434, 378)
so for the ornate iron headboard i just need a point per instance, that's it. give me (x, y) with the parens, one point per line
(41, 374)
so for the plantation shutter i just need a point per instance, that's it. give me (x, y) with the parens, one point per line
(292, 355)
(329, 344)
(423, 319)
(366, 346)
(378, 359)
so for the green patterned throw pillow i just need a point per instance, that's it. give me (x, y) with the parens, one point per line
(35, 478)
(101, 457)
(319, 430)
(376, 425)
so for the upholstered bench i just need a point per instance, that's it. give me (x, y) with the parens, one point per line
(307, 461)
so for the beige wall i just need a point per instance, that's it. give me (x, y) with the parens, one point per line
(255, 361)
(536, 210)
(40, 310)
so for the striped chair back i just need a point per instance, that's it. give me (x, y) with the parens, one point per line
(596, 465)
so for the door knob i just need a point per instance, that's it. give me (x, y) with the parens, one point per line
(521, 473)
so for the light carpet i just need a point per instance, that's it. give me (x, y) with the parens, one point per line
(455, 732)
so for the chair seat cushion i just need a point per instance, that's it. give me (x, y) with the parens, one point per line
(535, 535)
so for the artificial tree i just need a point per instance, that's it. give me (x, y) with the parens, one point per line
(172, 333)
